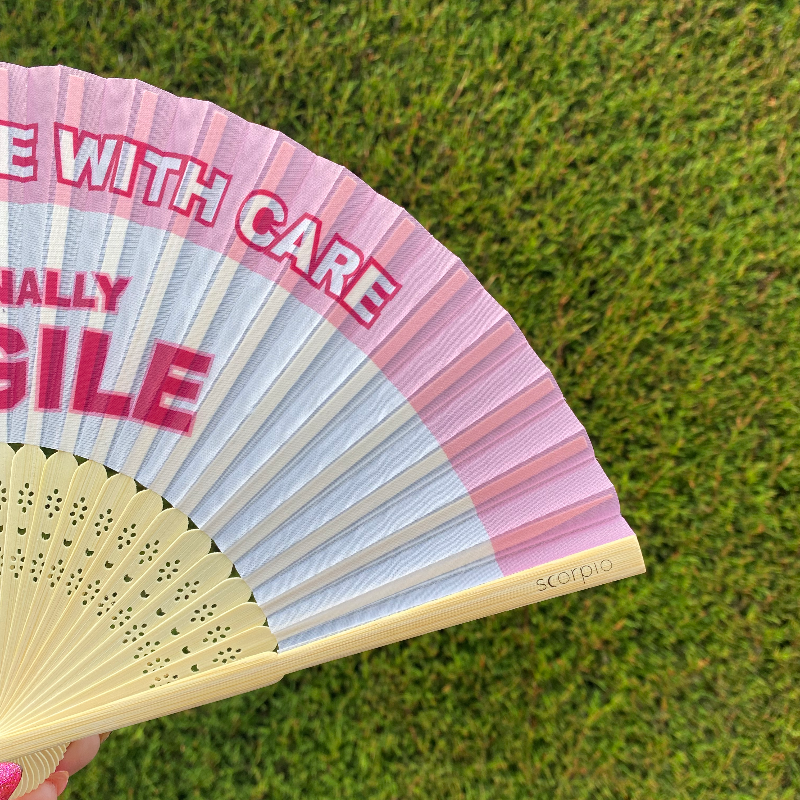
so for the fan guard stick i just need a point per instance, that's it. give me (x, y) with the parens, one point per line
(609, 562)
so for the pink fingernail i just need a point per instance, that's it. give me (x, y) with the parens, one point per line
(10, 776)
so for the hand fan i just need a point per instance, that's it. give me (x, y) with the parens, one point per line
(247, 389)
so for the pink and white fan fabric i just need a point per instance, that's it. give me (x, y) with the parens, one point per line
(287, 357)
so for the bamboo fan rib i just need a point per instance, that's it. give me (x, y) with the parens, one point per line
(36, 767)
(244, 330)
(105, 594)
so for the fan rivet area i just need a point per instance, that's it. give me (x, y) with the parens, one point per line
(126, 586)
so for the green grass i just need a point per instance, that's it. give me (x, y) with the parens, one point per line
(621, 176)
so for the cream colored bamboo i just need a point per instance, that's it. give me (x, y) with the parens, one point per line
(610, 562)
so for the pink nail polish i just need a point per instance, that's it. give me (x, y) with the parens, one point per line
(10, 776)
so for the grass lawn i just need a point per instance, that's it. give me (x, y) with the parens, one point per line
(621, 176)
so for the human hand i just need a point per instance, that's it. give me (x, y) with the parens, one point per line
(77, 756)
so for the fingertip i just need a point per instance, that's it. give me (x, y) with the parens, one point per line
(59, 779)
(79, 754)
(46, 791)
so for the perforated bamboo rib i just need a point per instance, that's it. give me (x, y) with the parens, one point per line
(337, 407)
(610, 562)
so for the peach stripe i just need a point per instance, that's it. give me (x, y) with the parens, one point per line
(207, 152)
(270, 183)
(520, 474)
(398, 340)
(277, 169)
(494, 420)
(394, 242)
(336, 314)
(144, 122)
(213, 137)
(4, 112)
(72, 117)
(527, 532)
(147, 112)
(462, 366)
(72, 112)
(336, 204)
(288, 280)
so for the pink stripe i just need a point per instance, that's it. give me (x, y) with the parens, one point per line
(278, 167)
(4, 114)
(536, 553)
(117, 107)
(529, 470)
(574, 481)
(181, 225)
(334, 313)
(469, 317)
(336, 204)
(327, 217)
(399, 339)
(496, 382)
(463, 365)
(270, 183)
(147, 111)
(72, 116)
(75, 88)
(527, 532)
(532, 433)
(213, 137)
(443, 342)
(318, 180)
(394, 242)
(144, 123)
(421, 254)
(369, 226)
(114, 113)
(498, 418)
